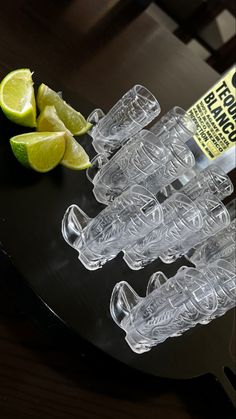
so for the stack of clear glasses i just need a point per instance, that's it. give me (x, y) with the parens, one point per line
(133, 174)
(184, 230)
(157, 206)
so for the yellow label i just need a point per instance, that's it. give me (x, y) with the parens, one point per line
(215, 117)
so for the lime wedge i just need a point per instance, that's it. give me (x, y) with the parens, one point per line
(41, 151)
(73, 120)
(17, 97)
(48, 120)
(75, 156)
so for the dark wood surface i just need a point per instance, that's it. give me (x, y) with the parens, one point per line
(73, 47)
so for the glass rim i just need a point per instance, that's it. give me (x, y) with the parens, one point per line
(179, 115)
(222, 206)
(138, 187)
(224, 264)
(148, 93)
(217, 170)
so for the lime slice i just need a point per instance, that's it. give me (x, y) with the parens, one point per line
(17, 97)
(41, 151)
(75, 156)
(73, 120)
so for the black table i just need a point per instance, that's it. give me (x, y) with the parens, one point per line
(32, 205)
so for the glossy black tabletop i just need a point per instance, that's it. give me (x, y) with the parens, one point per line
(32, 207)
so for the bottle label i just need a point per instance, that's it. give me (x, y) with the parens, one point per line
(215, 116)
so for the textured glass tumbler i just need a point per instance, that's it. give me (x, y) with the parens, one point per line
(130, 216)
(143, 160)
(219, 246)
(180, 158)
(136, 109)
(181, 218)
(172, 307)
(215, 218)
(132, 163)
(176, 123)
(211, 181)
(223, 275)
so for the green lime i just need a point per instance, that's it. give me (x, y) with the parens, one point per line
(41, 151)
(17, 97)
(75, 156)
(48, 120)
(73, 120)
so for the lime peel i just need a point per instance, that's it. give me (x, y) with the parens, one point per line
(41, 151)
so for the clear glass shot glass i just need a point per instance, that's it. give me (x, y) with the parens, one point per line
(141, 156)
(222, 274)
(143, 160)
(136, 109)
(173, 306)
(130, 216)
(215, 217)
(220, 246)
(176, 123)
(181, 218)
(180, 159)
(212, 181)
